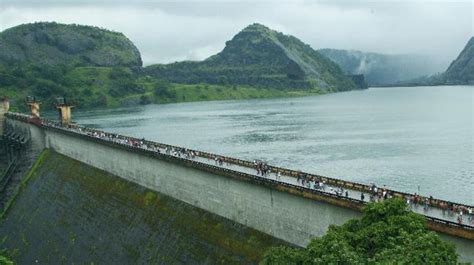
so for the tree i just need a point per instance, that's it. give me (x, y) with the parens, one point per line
(47, 89)
(163, 90)
(387, 233)
(5, 261)
(145, 99)
(120, 73)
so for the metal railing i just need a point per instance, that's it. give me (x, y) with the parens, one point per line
(73, 130)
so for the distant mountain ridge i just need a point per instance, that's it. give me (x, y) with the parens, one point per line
(459, 72)
(383, 68)
(261, 57)
(49, 43)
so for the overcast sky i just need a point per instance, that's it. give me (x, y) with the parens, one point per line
(167, 31)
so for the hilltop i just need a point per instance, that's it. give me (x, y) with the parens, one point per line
(260, 57)
(95, 67)
(49, 43)
(383, 68)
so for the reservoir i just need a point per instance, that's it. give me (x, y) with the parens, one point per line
(412, 139)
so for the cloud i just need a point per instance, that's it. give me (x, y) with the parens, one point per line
(166, 31)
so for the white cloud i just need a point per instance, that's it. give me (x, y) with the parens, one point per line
(193, 30)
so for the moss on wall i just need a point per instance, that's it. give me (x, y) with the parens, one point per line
(24, 181)
(73, 213)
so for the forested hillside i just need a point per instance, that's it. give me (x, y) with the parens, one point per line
(91, 65)
(260, 57)
(95, 67)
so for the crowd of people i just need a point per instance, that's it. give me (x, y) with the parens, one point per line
(264, 170)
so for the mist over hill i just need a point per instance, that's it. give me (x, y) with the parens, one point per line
(461, 70)
(383, 68)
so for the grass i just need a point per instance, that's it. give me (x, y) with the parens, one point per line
(205, 92)
(91, 87)
(5, 261)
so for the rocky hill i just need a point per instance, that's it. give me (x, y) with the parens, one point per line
(383, 68)
(461, 70)
(94, 66)
(56, 44)
(260, 57)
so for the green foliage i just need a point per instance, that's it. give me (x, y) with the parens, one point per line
(91, 66)
(59, 44)
(96, 68)
(145, 100)
(120, 73)
(190, 92)
(5, 261)
(92, 87)
(86, 86)
(163, 90)
(387, 233)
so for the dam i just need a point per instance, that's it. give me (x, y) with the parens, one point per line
(282, 203)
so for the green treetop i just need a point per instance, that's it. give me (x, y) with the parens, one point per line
(387, 233)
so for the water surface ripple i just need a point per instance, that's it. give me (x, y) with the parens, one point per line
(405, 138)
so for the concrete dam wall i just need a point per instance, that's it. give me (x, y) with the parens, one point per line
(289, 214)
(283, 215)
(84, 215)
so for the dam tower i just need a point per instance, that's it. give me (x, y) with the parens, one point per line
(64, 109)
(4, 106)
(34, 106)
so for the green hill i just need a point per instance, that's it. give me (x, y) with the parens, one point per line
(94, 67)
(58, 44)
(260, 57)
(461, 70)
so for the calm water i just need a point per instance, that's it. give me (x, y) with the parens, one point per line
(405, 138)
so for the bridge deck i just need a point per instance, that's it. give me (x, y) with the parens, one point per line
(354, 194)
(437, 210)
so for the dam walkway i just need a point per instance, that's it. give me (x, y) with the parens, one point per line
(438, 211)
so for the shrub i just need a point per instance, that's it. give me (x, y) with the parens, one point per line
(387, 233)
